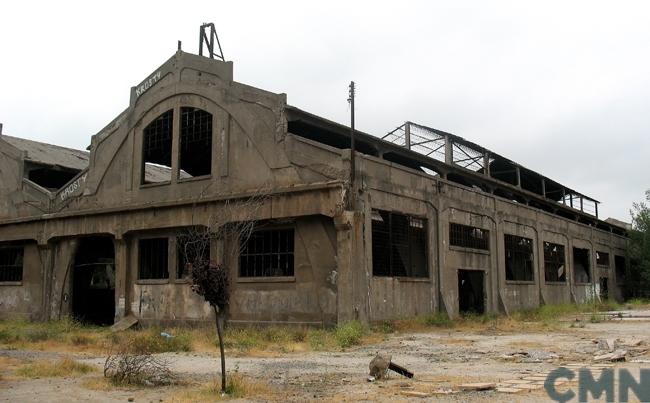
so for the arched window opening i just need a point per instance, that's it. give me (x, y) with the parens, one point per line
(196, 143)
(157, 149)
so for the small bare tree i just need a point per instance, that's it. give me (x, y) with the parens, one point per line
(231, 226)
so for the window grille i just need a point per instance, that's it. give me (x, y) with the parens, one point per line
(519, 258)
(157, 149)
(469, 237)
(11, 264)
(602, 259)
(153, 258)
(554, 262)
(399, 245)
(268, 253)
(196, 142)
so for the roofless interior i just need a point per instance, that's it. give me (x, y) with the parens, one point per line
(457, 160)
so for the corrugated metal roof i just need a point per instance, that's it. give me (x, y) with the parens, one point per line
(50, 154)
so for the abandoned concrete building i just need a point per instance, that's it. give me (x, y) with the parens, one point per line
(428, 221)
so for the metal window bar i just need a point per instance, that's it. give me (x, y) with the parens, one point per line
(268, 253)
(399, 245)
(519, 258)
(554, 262)
(153, 253)
(466, 236)
(11, 264)
(602, 259)
(196, 141)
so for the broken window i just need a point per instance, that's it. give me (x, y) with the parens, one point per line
(581, 272)
(49, 177)
(268, 253)
(619, 266)
(519, 258)
(11, 263)
(153, 259)
(602, 259)
(554, 262)
(196, 143)
(191, 248)
(157, 149)
(399, 245)
(469, 237)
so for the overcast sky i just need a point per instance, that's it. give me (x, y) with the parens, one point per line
(562, 87)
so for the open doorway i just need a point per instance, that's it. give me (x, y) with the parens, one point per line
(93, 281)
(471, 295)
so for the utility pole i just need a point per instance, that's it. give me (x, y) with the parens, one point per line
(352, 152)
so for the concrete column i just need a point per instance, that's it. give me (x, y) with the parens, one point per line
(46, 255)
(518, 176)
(122, 278)
(486, 164)
(407, 134)
(352, 291)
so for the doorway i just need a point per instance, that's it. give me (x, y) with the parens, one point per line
(93, 281)
(471, 295)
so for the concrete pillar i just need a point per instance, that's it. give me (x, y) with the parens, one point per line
(352, 289)
(518, 170)
(46, 255)
(122, 278)
(407, 134)
(486, 164)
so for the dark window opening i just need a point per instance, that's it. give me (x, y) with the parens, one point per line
(93, 281)
(469, 237)
(604, 288)
(581, 271)
(399, 245)
(193, 249)
(51, 178)
(519, 258)
(619, 266)
(196, 143)
(554, 262)
(153, 258)
(602, 259)
(11, 263)
(471, 298)
(157, 149)
(268, 253)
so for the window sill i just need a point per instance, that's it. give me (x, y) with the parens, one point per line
(153, 281)
(279, 279)
(555, 283)
(182, 281)
(582, 284)
(195, 178)
(11, 283)
(469, 250)
(406, 279)
(520, 282)
(153, 185)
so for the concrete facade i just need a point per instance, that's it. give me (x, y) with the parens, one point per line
(259, 142)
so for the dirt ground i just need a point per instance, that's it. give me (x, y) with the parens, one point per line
(440, 359)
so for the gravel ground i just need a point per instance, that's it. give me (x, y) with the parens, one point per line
(439, 359)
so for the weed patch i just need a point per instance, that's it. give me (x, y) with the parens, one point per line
(349, 334)
(48, 369)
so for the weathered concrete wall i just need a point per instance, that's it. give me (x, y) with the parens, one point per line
(25, 298)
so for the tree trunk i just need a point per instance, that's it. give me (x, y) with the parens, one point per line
(217, 315)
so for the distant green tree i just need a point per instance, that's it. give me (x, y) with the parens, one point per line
(638, 283)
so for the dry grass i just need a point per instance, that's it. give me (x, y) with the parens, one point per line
(48, 369)
(100, 384)
(238, 387)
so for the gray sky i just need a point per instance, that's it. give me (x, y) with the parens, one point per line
(560, 87)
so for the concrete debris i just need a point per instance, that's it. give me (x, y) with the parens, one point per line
(618, 355)
(125, 323)
(379, 366)
(509, 390)
(413, 393)
(443, 391)
(477, 386)
(371, 379)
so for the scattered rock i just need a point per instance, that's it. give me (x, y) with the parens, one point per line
(379, 365)
(477, 386)
(618, 355)
(371, 379)
(509, 390)
(413, 393)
